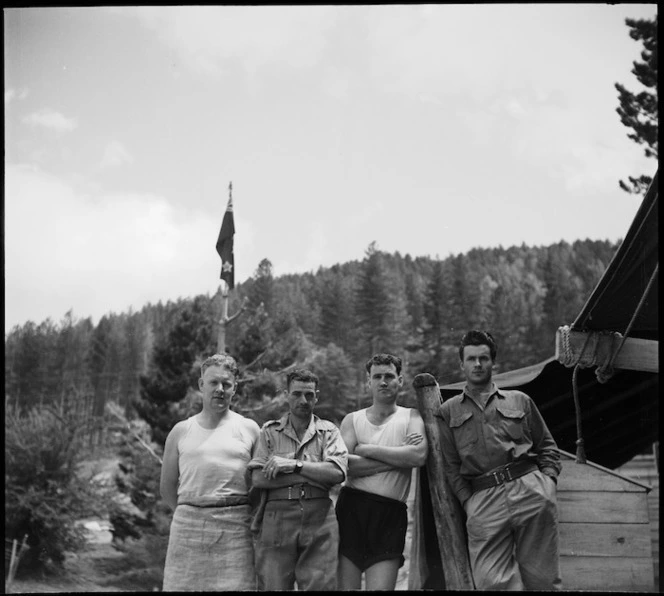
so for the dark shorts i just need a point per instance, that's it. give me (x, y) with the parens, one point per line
(372, 528)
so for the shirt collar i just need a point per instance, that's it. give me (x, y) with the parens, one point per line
(494, 389)
(284, 422)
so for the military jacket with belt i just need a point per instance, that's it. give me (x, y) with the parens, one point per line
(321, 442)
(476, 440)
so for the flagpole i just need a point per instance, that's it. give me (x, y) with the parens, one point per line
(221, 337)
(225, 251)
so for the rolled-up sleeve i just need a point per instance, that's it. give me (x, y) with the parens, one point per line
(262, 452)
(335, 450)
(451, 459)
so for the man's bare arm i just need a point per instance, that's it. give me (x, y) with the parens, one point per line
(412, 454)
(170, 471)
(359, 465)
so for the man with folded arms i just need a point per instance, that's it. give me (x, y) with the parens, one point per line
(502, 463)
(297, 460)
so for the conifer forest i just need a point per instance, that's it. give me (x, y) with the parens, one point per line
(330, 321)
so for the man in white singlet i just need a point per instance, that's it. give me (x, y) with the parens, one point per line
(385, 442)
(204, 480)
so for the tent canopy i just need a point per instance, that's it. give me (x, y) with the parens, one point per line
(623, 285)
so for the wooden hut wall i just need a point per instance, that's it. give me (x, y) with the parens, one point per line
(604, 530)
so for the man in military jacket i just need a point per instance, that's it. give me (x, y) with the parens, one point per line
(502, 464)
(297, 460)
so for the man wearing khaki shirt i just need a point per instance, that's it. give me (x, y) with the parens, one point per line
(297, 460)
(502, 464)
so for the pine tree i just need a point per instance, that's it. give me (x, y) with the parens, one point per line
(638, 111)
(262, 290)
(336, 309)
(174, 369)
(436, 318)
(373, 306)
(97, 360)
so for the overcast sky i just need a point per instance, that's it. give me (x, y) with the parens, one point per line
(430, 129)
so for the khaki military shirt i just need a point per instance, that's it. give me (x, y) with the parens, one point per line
(476, 440)
(321, 442)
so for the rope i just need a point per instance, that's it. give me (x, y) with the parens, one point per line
(606, 372)
(580, 446)
(603, 372)
(568, 359)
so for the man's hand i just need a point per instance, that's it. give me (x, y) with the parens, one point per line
(366, 449)
(278, 465)
(413, 439)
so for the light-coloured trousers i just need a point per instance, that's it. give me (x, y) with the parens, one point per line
(210, 549)
(298, 541)
(513, 535)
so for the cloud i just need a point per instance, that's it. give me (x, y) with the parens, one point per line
(98, 253)
(51, 119)
(212, 39)
(115, 154)
(336, 84)
(11, 94)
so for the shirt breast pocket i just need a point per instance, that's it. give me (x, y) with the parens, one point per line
(512, 424)
(464, 433)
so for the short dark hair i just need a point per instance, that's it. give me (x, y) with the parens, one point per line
(384, 359)
(301, 374)
(478, 338)
(224, 360)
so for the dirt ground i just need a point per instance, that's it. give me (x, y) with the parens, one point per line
(98, 568)
(101, 569)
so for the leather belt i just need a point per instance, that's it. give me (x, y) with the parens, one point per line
(297, 492)
(503, 474)
(223, 502)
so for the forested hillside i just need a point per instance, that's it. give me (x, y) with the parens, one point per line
(330, 320)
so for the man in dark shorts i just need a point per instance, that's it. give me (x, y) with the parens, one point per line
(385, 442)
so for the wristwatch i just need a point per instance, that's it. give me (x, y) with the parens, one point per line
(298, 467)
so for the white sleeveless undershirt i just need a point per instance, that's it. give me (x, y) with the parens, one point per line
(212, 462)
(394, 484)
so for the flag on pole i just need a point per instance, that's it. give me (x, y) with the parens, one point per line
(225, 244)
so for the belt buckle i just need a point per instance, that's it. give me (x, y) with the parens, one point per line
(499, 477)
(302, 492)
(290, 492)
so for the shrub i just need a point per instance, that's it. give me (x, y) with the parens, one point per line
(135, 507)
(43, 496)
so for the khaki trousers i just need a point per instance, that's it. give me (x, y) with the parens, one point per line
(513, 535)
(298, 542)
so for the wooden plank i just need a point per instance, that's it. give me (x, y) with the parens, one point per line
(635, 354)
(585, 477)
(447, 512)
(625, 508)
(567, 459)
(605, 540)
(607, 574)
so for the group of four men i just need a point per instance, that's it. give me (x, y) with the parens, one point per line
(500, 461)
